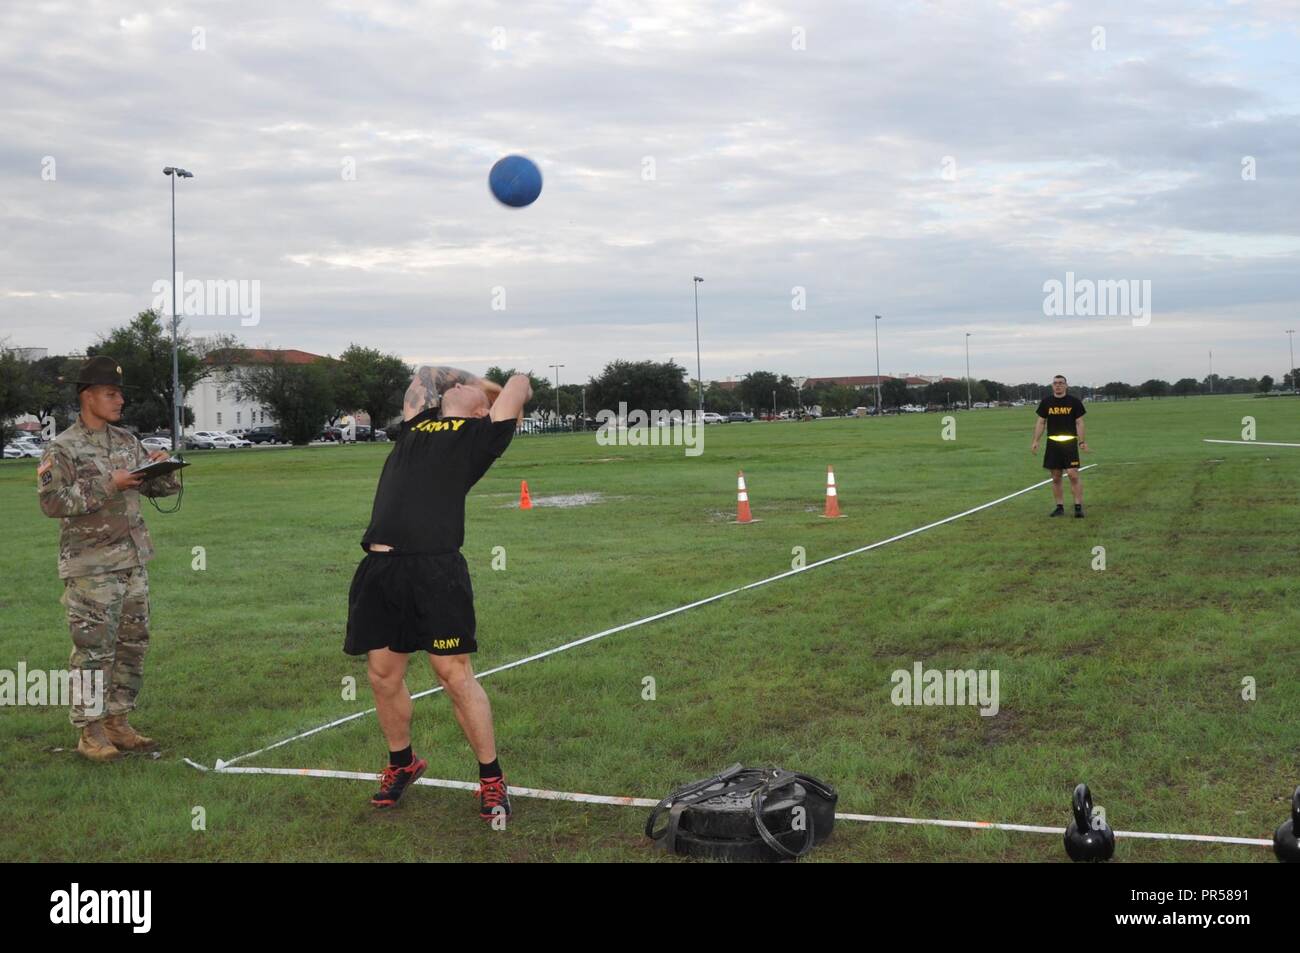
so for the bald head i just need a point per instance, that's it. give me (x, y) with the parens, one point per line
(464, 400)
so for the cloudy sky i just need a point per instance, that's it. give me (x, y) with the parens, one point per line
(933, 162)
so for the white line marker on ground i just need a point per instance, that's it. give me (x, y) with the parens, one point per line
(654, 618)
(1252, 443)
(543, 794)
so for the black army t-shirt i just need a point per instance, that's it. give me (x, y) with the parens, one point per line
(1061, 413)
(420, 503)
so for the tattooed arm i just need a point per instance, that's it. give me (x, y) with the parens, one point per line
(427, 387)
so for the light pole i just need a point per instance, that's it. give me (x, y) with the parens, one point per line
(699, 376)
(877, 326)
(773, 403)
(557, 390)
(968, 404)
(1290, 344)
(174, 173)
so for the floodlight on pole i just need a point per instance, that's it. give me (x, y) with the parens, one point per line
(1290, 369)
(877, 327)
(968, 398)
(174, 173)
(699, 376)
(557, 390)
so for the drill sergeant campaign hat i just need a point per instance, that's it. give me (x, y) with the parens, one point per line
(99, 370)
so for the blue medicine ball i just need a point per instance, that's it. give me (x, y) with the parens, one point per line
(515, 181)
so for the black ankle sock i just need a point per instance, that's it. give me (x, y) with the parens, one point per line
(401, 759)
(492, 770)
(1077, 507)
(1060, 506)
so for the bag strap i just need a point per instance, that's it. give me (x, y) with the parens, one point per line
(780, 780)
(683, 796)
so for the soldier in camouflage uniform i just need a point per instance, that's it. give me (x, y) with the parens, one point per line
(84, 479)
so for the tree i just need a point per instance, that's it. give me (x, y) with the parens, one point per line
(299, 396)
(17, 390)
(722, 400)
(840, 399)
(893, 392)
(366, 379)
(756, 390)
(1265, 384)
(1186, 385)
(143, 348)
(1154, 388)
(641, 385)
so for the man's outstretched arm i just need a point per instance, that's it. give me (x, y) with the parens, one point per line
(510, 402)
(427, 387)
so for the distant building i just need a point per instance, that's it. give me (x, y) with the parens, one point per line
(215, 399)
(29, 354)
(861, 380)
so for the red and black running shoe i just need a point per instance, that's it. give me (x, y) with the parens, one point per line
(493, 798)
(394, 782)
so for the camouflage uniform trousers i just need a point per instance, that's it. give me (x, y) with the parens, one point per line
(108, 616)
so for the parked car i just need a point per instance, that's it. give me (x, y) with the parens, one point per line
(334, 434)
(23, 448)
(739, 417)
(156, 443)
(207, 440)
(266, 434)
(709, 417)
(236, 441)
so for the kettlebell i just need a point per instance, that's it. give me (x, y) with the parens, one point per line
(1083, 842)
(1286, 839)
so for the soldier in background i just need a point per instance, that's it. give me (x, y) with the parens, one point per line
(85, 479)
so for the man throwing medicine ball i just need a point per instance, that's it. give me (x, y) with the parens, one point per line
(1062, 416)
(411, 592)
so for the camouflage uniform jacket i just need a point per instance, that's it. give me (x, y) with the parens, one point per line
(100, 528)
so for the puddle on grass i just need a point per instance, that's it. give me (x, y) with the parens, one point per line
(567, 500)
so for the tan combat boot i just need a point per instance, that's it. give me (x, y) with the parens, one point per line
(94, 744)
(126, 738)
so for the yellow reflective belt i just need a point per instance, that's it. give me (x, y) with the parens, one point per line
(1061, 437)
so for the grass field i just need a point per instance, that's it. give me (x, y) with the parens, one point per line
(1129, 678)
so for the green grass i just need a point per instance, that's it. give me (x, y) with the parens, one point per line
(1128, 678)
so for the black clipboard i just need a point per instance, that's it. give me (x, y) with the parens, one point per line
(159, 468)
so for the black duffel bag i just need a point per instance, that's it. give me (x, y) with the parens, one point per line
(746, 814)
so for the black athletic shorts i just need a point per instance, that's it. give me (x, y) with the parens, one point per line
(1061, 454)
(411, 602)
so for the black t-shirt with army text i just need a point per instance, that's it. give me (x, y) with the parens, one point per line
(1061, 413)
(420, 502)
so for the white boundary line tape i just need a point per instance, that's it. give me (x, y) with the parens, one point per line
(1252, 443)
(654, 618)
(651, 802)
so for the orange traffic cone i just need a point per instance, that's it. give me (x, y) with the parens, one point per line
(742, 501)
(832, 498)
(525, 501)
